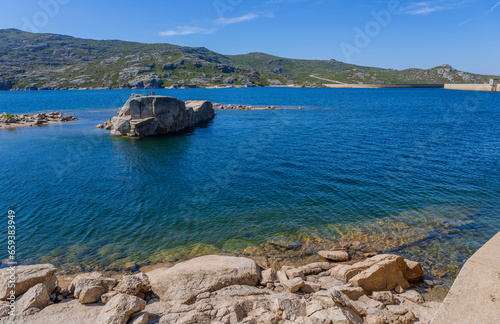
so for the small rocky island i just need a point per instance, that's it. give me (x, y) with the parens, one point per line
(243, 107)
(12, 121)
(144, 115)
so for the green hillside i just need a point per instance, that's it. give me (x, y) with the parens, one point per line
(48, 61)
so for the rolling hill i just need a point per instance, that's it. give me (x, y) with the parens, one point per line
(48, 61)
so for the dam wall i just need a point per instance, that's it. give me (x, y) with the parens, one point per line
(472, 87)
(381, 86)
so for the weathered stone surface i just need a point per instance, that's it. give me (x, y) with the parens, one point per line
(337, 256)
(328, 282)
(186, 280)
(370, 306)
(4, 308)
(81, 282)
(413, 271)
(385, 272)
(107, 296)
(374, 319)
(335, 315)
(295, 273)
(385, 297)
(139, 318)
(71, 287)
(292, 285)
(268, 276)
(413, 296)
(91, 294)
(158, 115)
(315, 268)
(65, 312)
(310, 287)
(133, 284)
(37, 297)
(119, 309)
(27, 277)
(351, 292)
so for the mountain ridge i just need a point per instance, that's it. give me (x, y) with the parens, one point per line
(31, 61)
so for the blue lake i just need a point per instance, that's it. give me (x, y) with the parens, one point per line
(350, 161)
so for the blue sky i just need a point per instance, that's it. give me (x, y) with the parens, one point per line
(392, 34)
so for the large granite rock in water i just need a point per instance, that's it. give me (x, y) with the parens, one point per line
(144, 115)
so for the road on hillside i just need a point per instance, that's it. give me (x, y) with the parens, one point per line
(314, 76)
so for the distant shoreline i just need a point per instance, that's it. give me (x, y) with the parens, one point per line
(457, 86)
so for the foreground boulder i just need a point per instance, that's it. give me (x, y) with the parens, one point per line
(66, 312)
(186, 280)
(36, 297)
(380, 273)
(144, 115)
(119, 309)
(27, 277)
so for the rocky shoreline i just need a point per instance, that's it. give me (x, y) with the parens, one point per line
(12, 121)
(242, 107)
(224, 289)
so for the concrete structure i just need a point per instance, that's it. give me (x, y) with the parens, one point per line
(381, 86)
(475, 294)
(475, 87)
(494, 84)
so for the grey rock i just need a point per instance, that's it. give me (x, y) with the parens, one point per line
(119, 309)
(91, 294)
(183, 282)
(337, 256)
(133, 284)
(229, 80)
(27, 277)
(36, 297)
(158, 115)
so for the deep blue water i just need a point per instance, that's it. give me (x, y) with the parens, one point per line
(349, 157)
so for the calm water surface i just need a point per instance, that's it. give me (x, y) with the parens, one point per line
(355, 160)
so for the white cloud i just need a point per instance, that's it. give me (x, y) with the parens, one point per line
(230, 21)
(428, 7)
(188, 30)
(494, 7)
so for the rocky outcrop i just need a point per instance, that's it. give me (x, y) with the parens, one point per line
(25, 120)
(186, 280)
(150, 81)
(5, 84)
(158, 115)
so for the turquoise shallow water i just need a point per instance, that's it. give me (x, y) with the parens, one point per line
(358, 160)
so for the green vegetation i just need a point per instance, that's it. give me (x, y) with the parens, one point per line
(47, 61)
(8, 116)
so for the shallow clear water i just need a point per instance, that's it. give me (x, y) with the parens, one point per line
(350, 164)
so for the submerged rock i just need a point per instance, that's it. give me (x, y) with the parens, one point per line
(158, 115)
